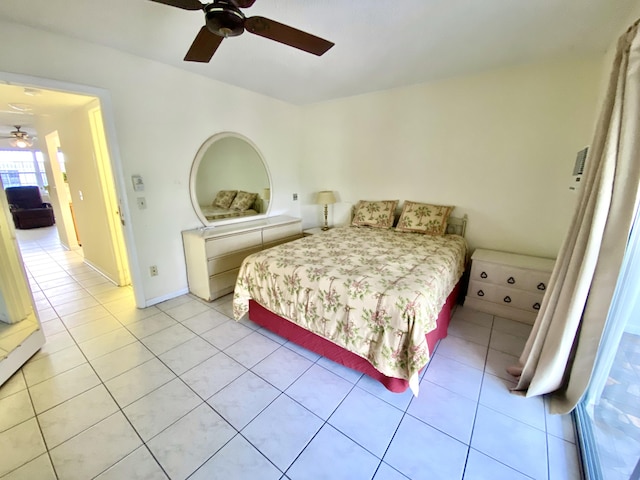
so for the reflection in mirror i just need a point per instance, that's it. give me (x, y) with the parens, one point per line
(229, 180)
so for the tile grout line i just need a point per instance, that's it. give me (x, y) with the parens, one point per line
(120, 409)
(475, 415)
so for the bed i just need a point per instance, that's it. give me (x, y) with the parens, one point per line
(373, 299)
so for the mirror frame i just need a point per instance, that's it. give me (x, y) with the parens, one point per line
(195, 166)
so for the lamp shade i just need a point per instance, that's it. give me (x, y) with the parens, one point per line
(325, 197)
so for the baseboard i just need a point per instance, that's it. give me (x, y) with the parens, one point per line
(152, 301)
(98, 270)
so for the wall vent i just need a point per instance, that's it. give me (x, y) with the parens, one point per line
(578, 169)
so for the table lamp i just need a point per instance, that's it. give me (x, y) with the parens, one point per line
(326, 198)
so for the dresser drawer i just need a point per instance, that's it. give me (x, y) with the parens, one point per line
(282, 240)
(214, 255)
(231, 243)
(229, 262)
(271, 234)
(223, 283)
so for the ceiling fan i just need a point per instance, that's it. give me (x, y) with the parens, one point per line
(19, 138)
(224, 19)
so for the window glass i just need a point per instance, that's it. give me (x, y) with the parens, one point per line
(22, 167)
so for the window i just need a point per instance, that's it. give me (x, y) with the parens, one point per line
(609, 415)
(22, 167)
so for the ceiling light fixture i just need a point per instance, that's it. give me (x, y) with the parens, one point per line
(20, 139)
(20, 143)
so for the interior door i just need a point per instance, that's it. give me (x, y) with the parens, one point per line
(20, 332)
(114, 217)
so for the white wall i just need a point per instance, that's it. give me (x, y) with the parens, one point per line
(607, 61)
(499, 146)
(162, 116)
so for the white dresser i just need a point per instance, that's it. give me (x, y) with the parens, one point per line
(214, 254)
(508, 285)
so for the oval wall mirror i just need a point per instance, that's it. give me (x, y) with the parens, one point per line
(229, 180)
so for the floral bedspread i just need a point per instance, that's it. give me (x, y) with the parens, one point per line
(375, 292)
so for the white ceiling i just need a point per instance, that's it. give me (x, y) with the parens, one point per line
(21, 106)
(379, 44)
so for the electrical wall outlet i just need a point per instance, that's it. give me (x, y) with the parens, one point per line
(295, 196)
(153, 271)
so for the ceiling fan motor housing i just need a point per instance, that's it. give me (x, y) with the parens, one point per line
(224, 20)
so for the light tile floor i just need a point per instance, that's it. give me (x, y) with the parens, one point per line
(180, 390)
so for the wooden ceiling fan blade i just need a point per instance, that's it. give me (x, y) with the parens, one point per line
(184, 4)
(287, 35)
(243, 3)
(203, 47)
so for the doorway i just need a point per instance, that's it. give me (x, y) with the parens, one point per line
(85, 174)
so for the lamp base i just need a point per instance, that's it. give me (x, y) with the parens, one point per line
(326, 214)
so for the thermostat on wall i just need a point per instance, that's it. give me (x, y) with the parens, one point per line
(578, 169)
(138, 184)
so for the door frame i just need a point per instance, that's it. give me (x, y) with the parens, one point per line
(106, 106)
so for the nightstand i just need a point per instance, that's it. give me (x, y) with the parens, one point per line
(312, 231)
(507, 284)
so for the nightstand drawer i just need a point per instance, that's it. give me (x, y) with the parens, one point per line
(518, 299)
(483, 291)
(486, 272)
(508, 297)
(508, 284)
(529, 280)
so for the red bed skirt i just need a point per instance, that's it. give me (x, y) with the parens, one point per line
(326, 348)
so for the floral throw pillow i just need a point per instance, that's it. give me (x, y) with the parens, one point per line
(377, 214)
(224, 198)
(424, 218)
(243, 201)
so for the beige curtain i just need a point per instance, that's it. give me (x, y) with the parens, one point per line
(560, 353)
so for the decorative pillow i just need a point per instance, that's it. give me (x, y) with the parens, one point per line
(243, 201)
(224, 198)
(374, 214)
(424, 218)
